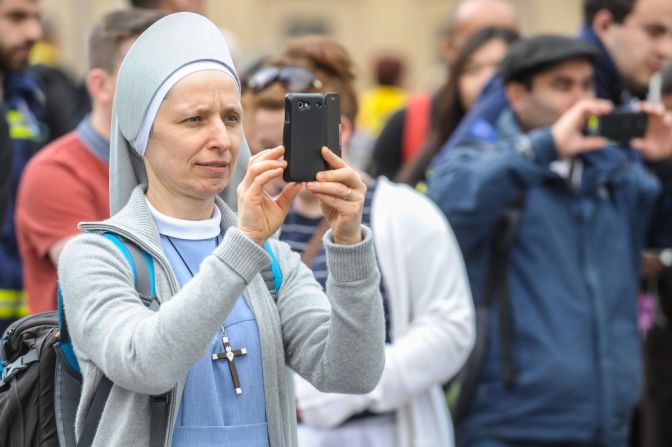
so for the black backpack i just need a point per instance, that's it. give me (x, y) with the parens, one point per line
(460, 390)
(27, 387)
(40, 380)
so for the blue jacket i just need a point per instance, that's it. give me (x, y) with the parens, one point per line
(23, 104)
(572, 275)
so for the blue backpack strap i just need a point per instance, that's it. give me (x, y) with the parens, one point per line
(65, 344)
(124, 250)
(143, 280)
(142, 267)
(272, 277)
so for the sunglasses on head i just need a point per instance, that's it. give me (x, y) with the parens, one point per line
(294, 79)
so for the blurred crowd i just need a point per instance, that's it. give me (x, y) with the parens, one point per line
(525, 256)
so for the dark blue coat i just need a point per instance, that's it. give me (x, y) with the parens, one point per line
(23, 106)
(573, 275)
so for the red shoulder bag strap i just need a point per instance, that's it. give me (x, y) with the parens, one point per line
(416, 125)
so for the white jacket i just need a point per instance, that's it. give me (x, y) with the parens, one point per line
(432, 319)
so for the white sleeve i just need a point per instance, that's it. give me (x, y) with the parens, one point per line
(420, 256)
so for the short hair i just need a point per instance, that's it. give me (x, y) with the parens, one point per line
(115, 28)
(148, 4)
(619, 9)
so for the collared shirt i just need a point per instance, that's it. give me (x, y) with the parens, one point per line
(93, 140)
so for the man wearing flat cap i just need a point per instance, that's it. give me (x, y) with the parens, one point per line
(550, 222)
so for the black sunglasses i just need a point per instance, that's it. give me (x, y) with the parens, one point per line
(294, 79)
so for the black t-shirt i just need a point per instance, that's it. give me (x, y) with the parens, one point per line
(387, 157)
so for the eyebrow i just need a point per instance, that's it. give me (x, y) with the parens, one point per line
(203, 110)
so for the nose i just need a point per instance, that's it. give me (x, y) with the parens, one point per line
(219, 136)
(582, 93)
(32, 29)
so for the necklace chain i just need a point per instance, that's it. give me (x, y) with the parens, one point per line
(170, 241)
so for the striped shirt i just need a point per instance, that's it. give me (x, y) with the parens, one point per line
(297, 231)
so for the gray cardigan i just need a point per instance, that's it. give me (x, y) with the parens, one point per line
(336, 343)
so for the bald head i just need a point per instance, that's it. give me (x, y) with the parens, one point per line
(171, 6)
(470, 16)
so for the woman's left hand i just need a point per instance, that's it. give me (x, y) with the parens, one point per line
(341, 193)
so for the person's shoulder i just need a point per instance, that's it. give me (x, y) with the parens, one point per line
(62, 158)
(410, 204)
(67, 149)
(396, 119)
(86, 253)
(87, 244)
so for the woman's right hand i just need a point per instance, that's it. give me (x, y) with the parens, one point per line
(259, 214)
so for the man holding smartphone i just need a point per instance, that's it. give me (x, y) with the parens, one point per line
(633, 39)
(561, 365)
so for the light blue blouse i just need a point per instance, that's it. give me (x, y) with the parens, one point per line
(211, 413)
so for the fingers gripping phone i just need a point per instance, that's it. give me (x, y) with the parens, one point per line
(312, 120)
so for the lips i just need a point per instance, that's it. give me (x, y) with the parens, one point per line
(214, 164)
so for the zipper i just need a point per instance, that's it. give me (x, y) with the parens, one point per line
(21, 323)
(173, 289)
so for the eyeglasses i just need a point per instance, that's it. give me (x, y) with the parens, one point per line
(294, 79)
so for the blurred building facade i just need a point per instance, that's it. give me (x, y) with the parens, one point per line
(409, 28)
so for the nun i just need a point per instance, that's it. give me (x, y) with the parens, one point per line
(176, 134)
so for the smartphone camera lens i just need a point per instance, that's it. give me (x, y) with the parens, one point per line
(300, 105)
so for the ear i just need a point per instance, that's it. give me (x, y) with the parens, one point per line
(516, 94)
(602, 22)
(100, 86)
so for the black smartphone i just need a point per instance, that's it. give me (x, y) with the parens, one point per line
(620, 126)
(312, 120)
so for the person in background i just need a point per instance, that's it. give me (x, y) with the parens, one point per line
(470, 16)
(66, 101)
(474, 66)
(386, 96)
(22, 99)
(5, 165)
(408, 130)
(68, 181)
(561, 340)
(655, 304)
(430, 320)
(217, 353)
